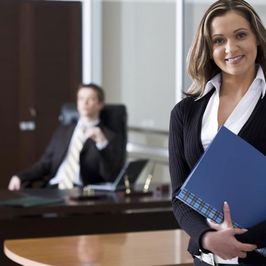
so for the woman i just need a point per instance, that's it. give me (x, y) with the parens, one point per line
(227, 63)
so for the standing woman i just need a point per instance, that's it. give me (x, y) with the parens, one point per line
(227, 63)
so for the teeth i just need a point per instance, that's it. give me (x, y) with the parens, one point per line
(233, 59)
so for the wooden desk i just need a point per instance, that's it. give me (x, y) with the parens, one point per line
(130, 249)
(113, 214)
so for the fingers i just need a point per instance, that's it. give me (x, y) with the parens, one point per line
(227, 215)
(213, 225)
(239, 231)
(243, 247)
(94, 132)
(246, 247)
(97, 135)
(227, 223)
(239, 249)
(242, 255)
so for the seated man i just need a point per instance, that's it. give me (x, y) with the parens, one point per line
(81, 153)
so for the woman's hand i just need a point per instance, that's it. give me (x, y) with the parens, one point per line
(227, 223)
(222, 242)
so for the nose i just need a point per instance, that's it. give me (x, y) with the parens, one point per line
(86, 101)
(230, 46)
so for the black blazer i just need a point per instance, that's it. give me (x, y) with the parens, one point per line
(185, 149)
(95, 165)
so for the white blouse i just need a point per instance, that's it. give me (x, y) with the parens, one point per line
(240, 114)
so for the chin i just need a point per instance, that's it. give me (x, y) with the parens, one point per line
(83, 114)
(86, 115)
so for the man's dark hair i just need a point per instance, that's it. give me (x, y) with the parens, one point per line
(99, 90)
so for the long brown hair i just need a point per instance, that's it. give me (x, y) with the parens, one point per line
(200, 65)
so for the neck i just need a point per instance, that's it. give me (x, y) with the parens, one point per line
(236, 85)
(89, 119)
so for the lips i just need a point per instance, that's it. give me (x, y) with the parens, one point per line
(234, 59)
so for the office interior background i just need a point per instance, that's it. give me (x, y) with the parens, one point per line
(135, 49)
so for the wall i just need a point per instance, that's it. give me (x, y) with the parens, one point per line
(138, 69)
(138, 62)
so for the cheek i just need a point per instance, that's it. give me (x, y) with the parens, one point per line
(80, 104)
(253, 48)
(218, 54)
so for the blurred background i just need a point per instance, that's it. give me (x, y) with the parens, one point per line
(136, 50)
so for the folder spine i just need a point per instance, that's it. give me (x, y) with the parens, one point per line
(200, 206)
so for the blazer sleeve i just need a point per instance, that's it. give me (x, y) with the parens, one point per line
(188, 219)
(102, 165)
(112, 157)
(43, 166)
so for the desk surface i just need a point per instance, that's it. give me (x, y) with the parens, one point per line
(108, 202)
(131, 249)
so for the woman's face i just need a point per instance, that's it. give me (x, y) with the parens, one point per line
(234, 45)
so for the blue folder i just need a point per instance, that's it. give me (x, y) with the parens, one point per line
(230, 170)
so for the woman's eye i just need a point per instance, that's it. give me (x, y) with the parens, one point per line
(241, 35)
(218, 41)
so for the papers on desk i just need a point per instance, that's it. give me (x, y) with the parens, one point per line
(29, 201)
(230, 170)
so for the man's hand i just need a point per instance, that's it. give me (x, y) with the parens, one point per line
(14, 183)
(96, 134)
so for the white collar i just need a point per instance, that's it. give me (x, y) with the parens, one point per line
(84, 122)
(215, 82)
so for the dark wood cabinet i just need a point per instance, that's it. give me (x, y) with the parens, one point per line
(40, 68)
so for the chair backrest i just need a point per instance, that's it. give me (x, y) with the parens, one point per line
(114, 116)
(68, 113)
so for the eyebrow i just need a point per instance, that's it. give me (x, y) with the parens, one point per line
(219, 34)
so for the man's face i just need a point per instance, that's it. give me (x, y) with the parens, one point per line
(88, 104)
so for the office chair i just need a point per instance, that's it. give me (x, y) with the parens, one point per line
(68, 114)
(114, 116)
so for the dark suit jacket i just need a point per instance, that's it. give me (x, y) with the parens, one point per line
(95, 165)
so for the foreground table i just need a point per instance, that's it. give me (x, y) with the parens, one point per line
(136, 249)
(114, 213)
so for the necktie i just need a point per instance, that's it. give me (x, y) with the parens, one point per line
(71, 167)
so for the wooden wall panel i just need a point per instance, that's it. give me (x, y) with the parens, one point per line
(40, 68)
(9, 71)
